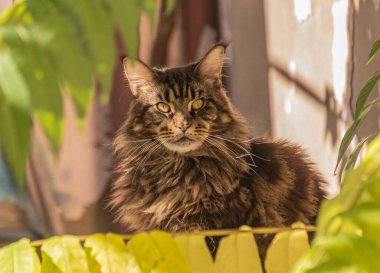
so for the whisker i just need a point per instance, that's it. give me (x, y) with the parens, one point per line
(251, 168)
(217, 144)
(238, 145)
(248, 140)
(235, 138)
(140, 144)
(133, 156)
(137, 140)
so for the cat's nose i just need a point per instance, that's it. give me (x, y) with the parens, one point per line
(181, 122)
(184, 125)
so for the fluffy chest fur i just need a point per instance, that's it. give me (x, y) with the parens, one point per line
(175, 192)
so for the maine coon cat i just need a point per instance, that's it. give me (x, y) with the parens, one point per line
(186, 160)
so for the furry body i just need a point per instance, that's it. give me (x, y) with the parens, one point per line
(187, 170)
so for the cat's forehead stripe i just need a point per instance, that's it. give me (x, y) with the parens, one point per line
(192, 92)
(187, 88)
(166, 95)
(178, 87)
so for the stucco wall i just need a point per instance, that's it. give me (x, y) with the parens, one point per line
(290, 60)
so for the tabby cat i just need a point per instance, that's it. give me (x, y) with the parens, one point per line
(186, 161)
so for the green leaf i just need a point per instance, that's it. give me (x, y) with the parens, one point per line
(14, 14)
(35, 67)
(14, 117)
(373, 189)
(157, 252)
(40, 78)
(126, 14)
(63, 255)
(351, 131)
(350, 164)
(238, 253)
(286, 249)
(57, 33)
(329, 222)
(352, 251)
(106, 253)
(19, 257)
(365, 92)
(308, 261)
(348, 225)
(97, 37)
(15, 128)
(169, 7)
(330, 267)
(14, 88)
(197, 252)
(375, 48)
(366, 217)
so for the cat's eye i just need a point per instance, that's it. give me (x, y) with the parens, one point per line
(163, 107)
(197, 104)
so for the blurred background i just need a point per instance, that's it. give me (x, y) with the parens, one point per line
(295, 68)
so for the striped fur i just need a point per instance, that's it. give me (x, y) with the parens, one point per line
(228, 181)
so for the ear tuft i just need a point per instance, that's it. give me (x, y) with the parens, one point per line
(212, 63)
(138, 74)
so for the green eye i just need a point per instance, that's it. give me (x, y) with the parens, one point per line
(163, 107)
(197, 104)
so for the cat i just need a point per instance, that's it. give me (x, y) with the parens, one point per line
(186, 161)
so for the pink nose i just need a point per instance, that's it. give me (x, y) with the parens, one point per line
(183, 126)
(181, 122)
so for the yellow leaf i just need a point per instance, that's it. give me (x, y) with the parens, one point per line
(197, 253)
(63, 254)
(238, 253)
(106, 253)
(19, 257)
(286, 249)
(156, 252)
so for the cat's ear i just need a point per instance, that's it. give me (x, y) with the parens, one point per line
(211, 65)
(138, 74)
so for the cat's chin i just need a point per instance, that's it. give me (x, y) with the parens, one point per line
(183, 146)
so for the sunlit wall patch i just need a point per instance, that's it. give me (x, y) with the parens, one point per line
(292, 89)
(302, 10)
(339, 48)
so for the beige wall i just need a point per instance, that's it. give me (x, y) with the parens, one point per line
(301, 79)
(365, 31)
(299, 64)
(293, 61)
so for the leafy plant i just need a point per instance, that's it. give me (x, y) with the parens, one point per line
(348, 226)
(51, 47)
(362, 110)
(347, 229)
(156, 252)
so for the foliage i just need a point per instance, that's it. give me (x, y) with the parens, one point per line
(54, 47)
(348, 225)
(238, 253)
(19, 257)
(347, 232)
(286, 249)
(157, 252)
(362, 110)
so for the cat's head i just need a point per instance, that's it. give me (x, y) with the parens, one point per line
(183, 107)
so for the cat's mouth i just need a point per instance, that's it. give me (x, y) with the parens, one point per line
(183, 141)
(183, 144)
